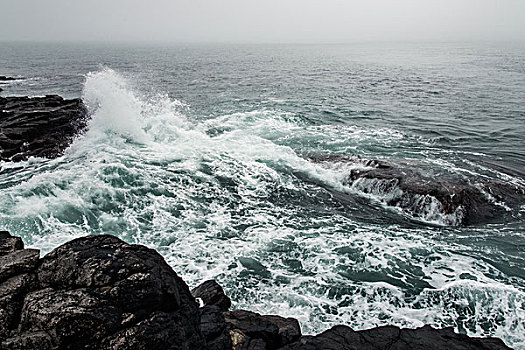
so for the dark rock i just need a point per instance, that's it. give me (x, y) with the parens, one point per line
(213, 325)
(214, 328)
(393, 338)
(423, 194)
(274, 331)
(1, 89)
(242, 342)
(159, 331)
(98, 292)
(289, 328)
(39, 126)
(211, 293)
(9, 244)
(18, 262)
(33, 341)
(73, 318)
(254, 266)
(4, 78)
(12, 293)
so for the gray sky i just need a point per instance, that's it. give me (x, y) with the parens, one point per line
(262, 20)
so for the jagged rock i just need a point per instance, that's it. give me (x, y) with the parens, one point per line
(9, 244)
(17, 262)
(213, 325)
(242, 342)
(274, 331)
(240, 329)
(39, 126)
(31, 340)
(420, 193)
(4, 78)
(12, 293)
(393, 338)
(214, 328)
(98, 292)
(211, 293)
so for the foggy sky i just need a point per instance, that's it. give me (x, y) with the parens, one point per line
(270, 21)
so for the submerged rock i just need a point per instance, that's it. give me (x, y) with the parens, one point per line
(39, 126)
(98, 292)
(444, 199)
(4, 78)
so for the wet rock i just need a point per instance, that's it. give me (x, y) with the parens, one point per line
(211, 293)
(18, 262)
(4, 78)
(393, 338)
(12, 293)
(31, 340)
(98, 292)
(254, 266)
(9, 244)
(242, 342)
(214, 304)
(424, 195)
(214, 328)
(39, 126)
(273, 331)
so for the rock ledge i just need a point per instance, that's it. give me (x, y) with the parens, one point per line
(39, 126)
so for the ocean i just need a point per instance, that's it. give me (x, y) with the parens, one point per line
(234, 162)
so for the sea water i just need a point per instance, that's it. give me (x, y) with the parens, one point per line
(204, 152)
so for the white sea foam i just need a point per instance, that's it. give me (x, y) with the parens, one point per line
(113, 106)
(423, 207)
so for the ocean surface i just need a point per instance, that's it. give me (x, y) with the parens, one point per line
(204, 152)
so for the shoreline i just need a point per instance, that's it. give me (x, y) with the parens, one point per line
(98, 292)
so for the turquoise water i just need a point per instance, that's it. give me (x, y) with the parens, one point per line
(203, 153)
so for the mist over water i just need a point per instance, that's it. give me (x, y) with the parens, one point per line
(205, 154)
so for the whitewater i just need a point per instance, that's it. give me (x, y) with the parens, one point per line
(232, 193)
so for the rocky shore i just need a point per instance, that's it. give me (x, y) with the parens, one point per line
(39, 126)
(98, 292)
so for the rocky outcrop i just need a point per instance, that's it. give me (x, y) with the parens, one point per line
(4, 78)
(39, 126)
(98, 292)
(393, 338)
(417, 191)
(95, 292)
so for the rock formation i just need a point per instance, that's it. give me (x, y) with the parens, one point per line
(98, 292)
(393, 338)
(422, 194)
(39, 126)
